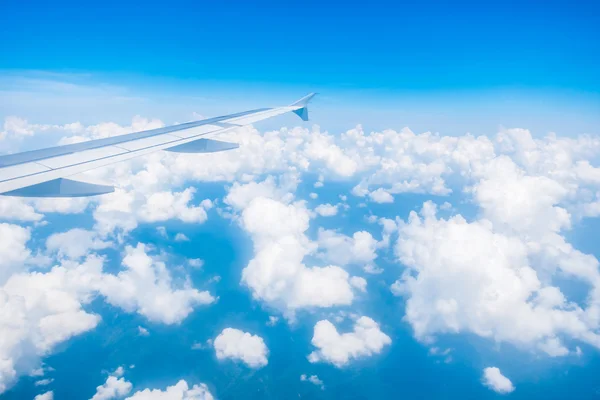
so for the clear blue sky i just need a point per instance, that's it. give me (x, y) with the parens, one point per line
(442, 66)
(378, 44)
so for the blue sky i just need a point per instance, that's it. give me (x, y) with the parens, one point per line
(488, 110)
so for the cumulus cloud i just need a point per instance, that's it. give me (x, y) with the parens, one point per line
(314, 379)
(45, 396)
(465, 277)
(326, 210)
(339, 349)
(180, 237)
(277, 273)
(75, 243)
(113, 388)
(179, 391)
(146, 286)
(42, 309)
(493, 378)
(340, 249)
(241, 346)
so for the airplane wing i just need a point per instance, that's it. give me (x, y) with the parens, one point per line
(46, 172)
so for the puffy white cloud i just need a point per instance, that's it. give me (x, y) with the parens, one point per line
(344, 250)
(196, 262)
(464, 277)
(162, 206)
(242, 346)
(40, 310)
(381, 196)
(44, 382)
(45, 396)
(13, 249)
(143, 331)
(179, 391)
(339, 349)
(493, 378)
(359, 283)
(146, 286)
(14, 208)
(314, 379)
(75, 243)
(277, 274)
(113, 388)
(326, 210)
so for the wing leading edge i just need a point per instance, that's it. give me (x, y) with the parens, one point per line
(44, 173)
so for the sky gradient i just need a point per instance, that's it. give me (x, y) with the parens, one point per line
(444, 197)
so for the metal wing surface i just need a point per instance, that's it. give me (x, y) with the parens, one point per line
(47, 172)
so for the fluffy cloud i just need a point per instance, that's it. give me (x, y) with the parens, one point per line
(339, 349)
(242, 346)
(13, 249)
(344, 250)
(277, 274)
(146, 286)
(179, 391)
(45, 396)
(326, 210)
(75, 243)
(493, 378)
(464, 277)
(113, 388)
(314, 379)
(39, 310)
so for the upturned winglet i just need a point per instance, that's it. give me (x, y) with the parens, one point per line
(302, 110)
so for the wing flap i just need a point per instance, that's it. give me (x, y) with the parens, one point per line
(203, 146)
(61, 187)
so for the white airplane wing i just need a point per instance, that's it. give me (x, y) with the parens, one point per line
(46, 172)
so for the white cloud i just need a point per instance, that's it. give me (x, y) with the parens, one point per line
(162, 231)
(45, 396)
(359, 283)
(344, 250)
(180, 237)
(381, 196)
(314, 379)
(163, 206)
(272, 320)
(13, 249)
(326, 210)
(196, 262)
(75, 243)
(146, 286)
(242, 346)
(464, 277)
(179, 391)
(15, 208)
(143, 331)
(44, 382)
(113, 388)
(493, 378)
(339, 349)
(277, 274)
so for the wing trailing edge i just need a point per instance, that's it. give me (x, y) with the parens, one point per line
(48, 172)
(61, 187)
(203, 146)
